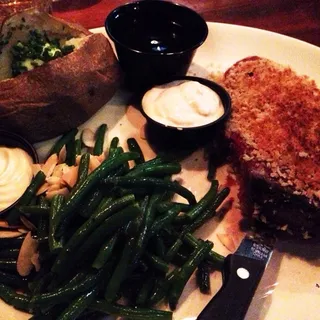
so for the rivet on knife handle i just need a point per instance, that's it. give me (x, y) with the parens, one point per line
(241, 276)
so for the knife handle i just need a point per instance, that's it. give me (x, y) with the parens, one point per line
(241, 276)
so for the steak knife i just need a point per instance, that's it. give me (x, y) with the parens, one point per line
(242, 272)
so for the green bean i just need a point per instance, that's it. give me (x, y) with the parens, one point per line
(12, 280)
(173, 250)
(11, 243)
(166, 205)
(108, 227)
(50, 314)
(214, 257)
(36, 183)
(62, 141)
(43, 227)
(131, 313)
(159, 170)
(217, 154)
(41, 281)
(43, 202)
(157, 262)
(8, 265)
(203, 217)
(160, 247)
(90, 203)
(113, 146)
(98, 146)
(138, 169)
(83, 168)
(203, 278)
(119, 274)
(71, 152)
(180, 258)
(212, 169)
(34, 210)
(78, 146)
(98, 218)
(222, 195)
(162, 286)
(203, 203)
(105, 252)
(152, 183)
(133, 227)
(68, 291)
(77, 278)
(149, 215)
(145, 290)
(78, 305)
(57, 202)
(164, 220)
(9, 253)
(57, 280)
(209, 212)
(19, 301)
(186, 271)
(106, 201)
(68, 211)
(134, 147)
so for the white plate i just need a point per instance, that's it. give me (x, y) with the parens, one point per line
(289, 289)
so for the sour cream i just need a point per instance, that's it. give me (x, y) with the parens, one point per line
(183, 104)
(15, 175)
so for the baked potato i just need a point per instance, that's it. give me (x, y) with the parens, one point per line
(41, 98)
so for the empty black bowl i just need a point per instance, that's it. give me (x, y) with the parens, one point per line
(13, 140)
(166, 137)
(155, 40)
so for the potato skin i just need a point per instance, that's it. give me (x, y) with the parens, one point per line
(61, 94)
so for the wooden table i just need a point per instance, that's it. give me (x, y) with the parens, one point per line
(297, 18)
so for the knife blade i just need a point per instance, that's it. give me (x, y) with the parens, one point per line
(242, 272)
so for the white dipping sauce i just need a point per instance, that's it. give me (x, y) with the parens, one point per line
(15, 175)
(182, 104)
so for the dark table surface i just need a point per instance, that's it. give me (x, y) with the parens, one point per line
(296, 18)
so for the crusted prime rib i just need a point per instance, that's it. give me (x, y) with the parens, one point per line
(274, 131)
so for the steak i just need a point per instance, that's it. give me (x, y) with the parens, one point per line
(274, 130)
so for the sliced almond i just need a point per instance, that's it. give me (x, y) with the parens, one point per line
(54, 187)
(227, 241)
(101, 157)
(36, 167)
(78, 158)
(29, 225)
(23, 231)
(43, 188)
(143, 135)
(9, 234)
(58, 170)
(94, 163)
(28, 249)
(88, 138)
(64, 191)
(4, 224)
(53, 180)
(35, 261)
(65, 169)
(50, 164)
(62, 155)
(70, 177)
